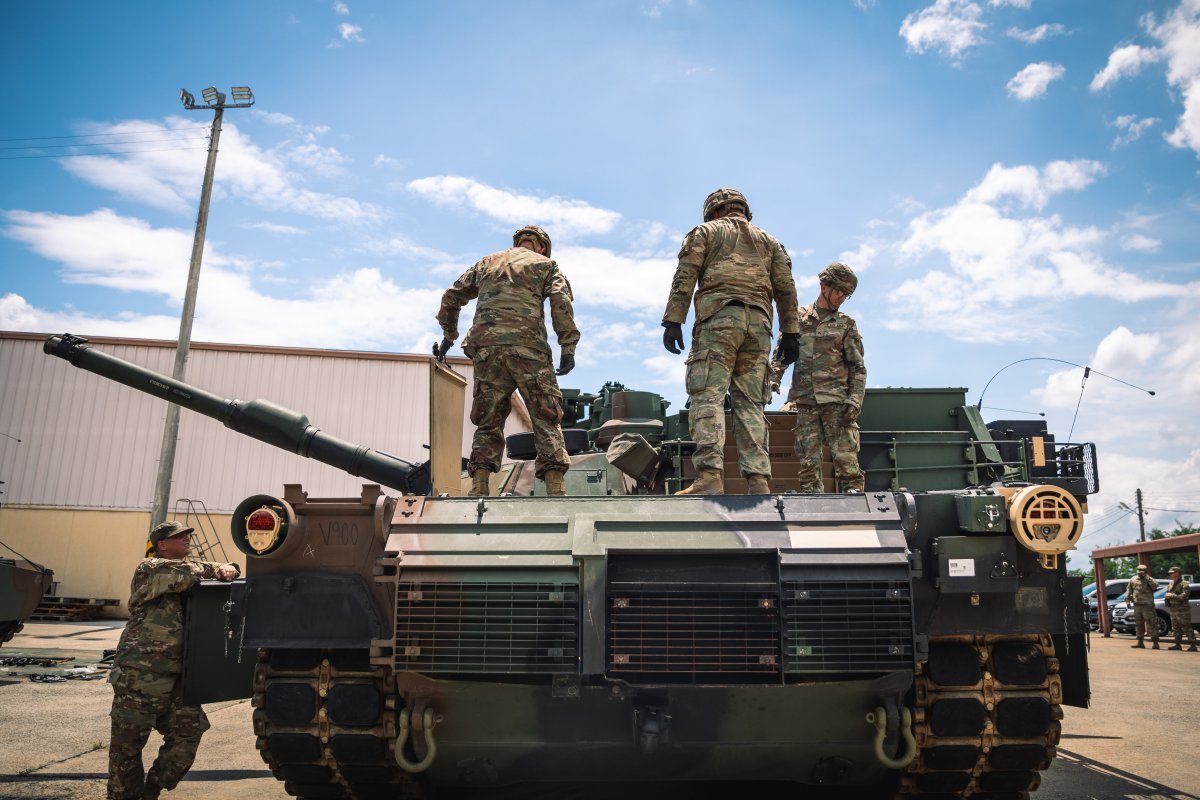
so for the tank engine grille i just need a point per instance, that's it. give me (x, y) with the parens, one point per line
(714, 632)
(457, 627)
(847, 626)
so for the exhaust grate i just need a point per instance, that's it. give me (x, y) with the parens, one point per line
(847, 626)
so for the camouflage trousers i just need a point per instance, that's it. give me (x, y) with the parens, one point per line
(729, 354)
(1181, 623)
(1144, 619)
(143, 701)
(498, 371)
(822, 425)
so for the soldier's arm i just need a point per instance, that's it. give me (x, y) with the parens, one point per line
(157, 577)
(784, 290)
(464, 290)
(691, 258)
(562, 316)
(856, 366)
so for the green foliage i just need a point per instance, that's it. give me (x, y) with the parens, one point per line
(1189, 562)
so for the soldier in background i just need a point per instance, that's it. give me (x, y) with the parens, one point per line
(1140, 595)
(829, 381)
(147, 692)
(507, 344)
(739, 269)
(1176, 599)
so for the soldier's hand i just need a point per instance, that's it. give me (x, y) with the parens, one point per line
(673, 337)
(566, 363)
(227, 572)
(789, 347)
(849, 414)
(441, 350)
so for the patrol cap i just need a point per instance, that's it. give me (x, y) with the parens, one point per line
(168, 530)
(1175, 569)
(1141, 567)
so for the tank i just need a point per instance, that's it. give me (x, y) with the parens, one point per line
(916, 640)
(22, 585)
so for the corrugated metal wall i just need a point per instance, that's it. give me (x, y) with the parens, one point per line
(91, 443)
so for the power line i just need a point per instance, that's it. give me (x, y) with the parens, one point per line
(104, 144)
(89, 135)
(109, 153)
(1175, 510)
(1109, 525)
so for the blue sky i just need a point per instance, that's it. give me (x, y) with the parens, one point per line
(1011, 178)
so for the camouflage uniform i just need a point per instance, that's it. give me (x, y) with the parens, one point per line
(507, 343)
(830, 374)
(1140, 593)
(147, 692)
(1176, 599)
(740, 270)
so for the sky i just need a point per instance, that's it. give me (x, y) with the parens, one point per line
(1011, 179)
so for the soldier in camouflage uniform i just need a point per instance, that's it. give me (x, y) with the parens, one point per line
(736, 270)
(829, 381)
(147, 692)
(507, 343)
(1140, 595)
(1176, 598)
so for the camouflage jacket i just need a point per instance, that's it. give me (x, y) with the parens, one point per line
(1177, 594)
(1141, 589)
(153, 637)
(726, 260)
(512, 286)
(831, 367)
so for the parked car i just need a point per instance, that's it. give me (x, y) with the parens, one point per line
(1122, 615)
(1114, 589)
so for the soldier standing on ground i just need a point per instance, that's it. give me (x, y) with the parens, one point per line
(1176, 599)
(147, 692)
(1140, 595)
(829, 381)
(507, 344)
(737, 270)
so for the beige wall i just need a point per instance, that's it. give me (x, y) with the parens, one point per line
(93, 552)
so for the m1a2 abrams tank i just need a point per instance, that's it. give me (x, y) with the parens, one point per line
(916, 640)
(22, 584)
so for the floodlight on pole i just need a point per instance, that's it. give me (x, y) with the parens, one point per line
(215, 100)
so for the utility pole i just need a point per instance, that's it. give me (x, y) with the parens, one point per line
(1141, 516)
(166, 461)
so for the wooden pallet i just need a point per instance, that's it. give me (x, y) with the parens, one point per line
(69, 609)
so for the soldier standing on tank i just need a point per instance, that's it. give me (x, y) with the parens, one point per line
(736, 270)
(1176, 598)
(829, 381)
(147, 692)
(508, 346)
(1140, 595)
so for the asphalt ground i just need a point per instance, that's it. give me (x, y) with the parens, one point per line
(1139, 741)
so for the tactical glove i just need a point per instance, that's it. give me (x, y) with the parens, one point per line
(443, 349)
(673, 337)
(789, 347)
(849, 414)
(566, 363)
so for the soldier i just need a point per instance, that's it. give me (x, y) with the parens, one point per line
(1176, 599)
(1140, 595)
(147, 692)
(507, 343)
(829, 381)
(740, 269)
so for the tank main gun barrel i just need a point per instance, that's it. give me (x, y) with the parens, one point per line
(259, 419)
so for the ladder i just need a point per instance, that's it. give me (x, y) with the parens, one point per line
(206, 544)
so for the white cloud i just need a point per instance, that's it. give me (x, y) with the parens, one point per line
(1033, 187)
(1032, 81)
(564, 217)
(949, 26)
(274, 117)
(1133, 128)
(350, 33)
(1035, 35)
(271, 227)
(1122, 62)
(1013, 3)
(604, 279)
(1138, 243)
(1179, 35)
(341, 8)
(667, 369)
(860, 259)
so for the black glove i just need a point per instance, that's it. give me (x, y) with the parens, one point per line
(789, 347)
(673, 337)
(566, 363)
(441, 350)
(849, 414)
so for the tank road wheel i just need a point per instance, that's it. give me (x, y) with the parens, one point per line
(987, 718)
(326, 725)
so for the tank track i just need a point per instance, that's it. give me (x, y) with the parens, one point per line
(326, 725)
(987, 718)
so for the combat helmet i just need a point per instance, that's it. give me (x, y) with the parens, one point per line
(721, 198)
(536, 233)
(839, 276)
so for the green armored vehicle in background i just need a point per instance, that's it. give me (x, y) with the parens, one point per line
(915, 640)
(22, 585)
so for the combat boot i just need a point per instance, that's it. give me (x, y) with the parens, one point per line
(711, 481)
(152, 791)
(1192, 649)
(479, 483)
(1175, 647)
(554, 483)
(758, 485)
(1140, 644)
(1155, 646)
